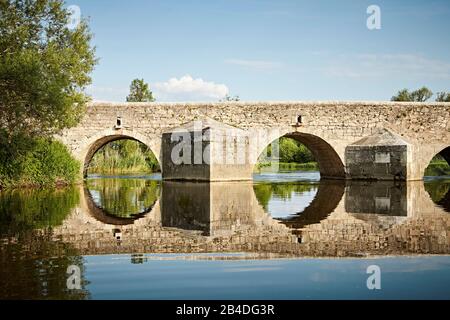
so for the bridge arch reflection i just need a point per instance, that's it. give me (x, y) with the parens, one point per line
(344, 219)
(119, 202)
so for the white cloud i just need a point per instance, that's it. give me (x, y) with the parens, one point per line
(187, 88)
(387, 65)
(255, 64)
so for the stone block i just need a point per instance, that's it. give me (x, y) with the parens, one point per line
(206, 150)
(381, 156)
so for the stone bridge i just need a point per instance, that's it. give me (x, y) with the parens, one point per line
(350, 140)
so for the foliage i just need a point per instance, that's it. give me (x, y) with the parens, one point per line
(443, 97)
(437, 189)
(44, 67)
(266, 191)
(293, 151)
(33, 265)
(290, 151)
(140, 92)
(124, 156)
(419, 95)
(438, 167)
(27, 209)
(35, 162)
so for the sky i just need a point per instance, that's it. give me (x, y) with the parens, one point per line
(268, 50)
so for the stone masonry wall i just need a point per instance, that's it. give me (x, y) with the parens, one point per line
(426, 126)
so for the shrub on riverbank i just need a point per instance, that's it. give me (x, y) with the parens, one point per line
(124, 156)
(36, 162)
(438, 168)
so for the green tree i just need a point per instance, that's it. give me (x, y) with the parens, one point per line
(443, 97)
(419, 95)
(140, 92)
(44, 67)
(288, 149)
(422, 94)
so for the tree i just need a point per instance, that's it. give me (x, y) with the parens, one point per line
(140, 92)
(288, 148)
(230, 98)
(402, 95)
(44, 67)
(443, 97)
(419, 95)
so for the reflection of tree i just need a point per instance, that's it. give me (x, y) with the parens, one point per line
(32, 264)
(437, 168)
(35, 267)
(439, 192)
(124, 197)
(265, 191)
(27, 209)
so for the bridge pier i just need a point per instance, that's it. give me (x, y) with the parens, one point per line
(381, 156)
(206, 151)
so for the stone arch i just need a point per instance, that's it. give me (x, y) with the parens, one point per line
(331, 165)
(443, 151)
(93, 144)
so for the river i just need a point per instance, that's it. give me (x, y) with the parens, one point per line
(285, 235)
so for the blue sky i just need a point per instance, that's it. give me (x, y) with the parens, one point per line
(268, 50)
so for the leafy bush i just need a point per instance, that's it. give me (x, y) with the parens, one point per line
(28, 161)
(293, 151)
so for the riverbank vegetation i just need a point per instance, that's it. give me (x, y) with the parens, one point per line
(123, 156)
(45, 66)
(292, 155)
(438, 167)
(36, 162)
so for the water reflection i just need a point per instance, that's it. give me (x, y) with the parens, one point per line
(439, 190)
(145, 215)
(32, 264)
(330, 218)
(123, 198)
(383, 197)
(215, 209)
(30, 209)
(44, 231)
(327, 197)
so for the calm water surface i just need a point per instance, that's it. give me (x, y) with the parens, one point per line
(283, 236)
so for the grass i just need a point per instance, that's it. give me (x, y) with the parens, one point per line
(307, 166)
